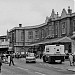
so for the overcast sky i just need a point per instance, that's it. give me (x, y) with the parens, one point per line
(28, 12)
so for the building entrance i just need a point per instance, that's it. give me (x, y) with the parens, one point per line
(3, 50)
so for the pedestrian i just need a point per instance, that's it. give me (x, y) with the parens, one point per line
(8, 58)
(40, 55)
(11, 59)
(71, 59)
(0, 63)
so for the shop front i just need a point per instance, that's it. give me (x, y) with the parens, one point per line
(3, 48)
(66, 41)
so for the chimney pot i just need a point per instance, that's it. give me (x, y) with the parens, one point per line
(69, 10)
(20, 25)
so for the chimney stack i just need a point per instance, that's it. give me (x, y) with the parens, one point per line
(20, 25)
(57, 14)
(69, 10)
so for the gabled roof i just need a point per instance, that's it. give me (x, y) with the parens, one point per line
(64, 13)
(53, 15)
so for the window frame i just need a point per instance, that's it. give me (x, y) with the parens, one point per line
(63, 27)
(30, 34)
(73, 25)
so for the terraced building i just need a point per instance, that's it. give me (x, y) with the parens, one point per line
(56, 30)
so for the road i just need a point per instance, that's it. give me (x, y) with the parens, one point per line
(38, 68)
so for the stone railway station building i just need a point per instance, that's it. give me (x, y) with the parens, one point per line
(56, 30)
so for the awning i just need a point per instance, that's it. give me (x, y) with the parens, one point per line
(64, 39)
(35, 44)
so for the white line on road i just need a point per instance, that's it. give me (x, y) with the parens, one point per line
(28, 70)
(22, 68)
(41, 64)
(40, 73)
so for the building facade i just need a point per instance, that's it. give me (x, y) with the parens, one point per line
(4, 44)
(55, 27)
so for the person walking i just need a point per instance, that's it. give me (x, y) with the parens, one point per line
(8, 58)
(71, 59)
(11, 60)
(0, 63)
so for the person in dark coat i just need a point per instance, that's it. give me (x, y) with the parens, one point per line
(11, 60)
(0, 63)
(71, 59)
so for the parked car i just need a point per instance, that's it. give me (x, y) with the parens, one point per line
(30, 58)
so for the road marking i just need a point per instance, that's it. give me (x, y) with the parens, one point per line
(28, 70)
(40, 73)
(60, 69)
(22, 68)
(45, 64)
(41, 64)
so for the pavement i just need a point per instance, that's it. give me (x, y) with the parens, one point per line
(64, 66)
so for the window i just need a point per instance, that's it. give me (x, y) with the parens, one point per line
(47, 49)
(6, 39)
(30, 35)
(42, 33)
(36, 34)
(51, 31)
(63, 28)
(22, 36)
(74, 25)
(56, 29)
(2, 40)
(13, 39)
(47, 31)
